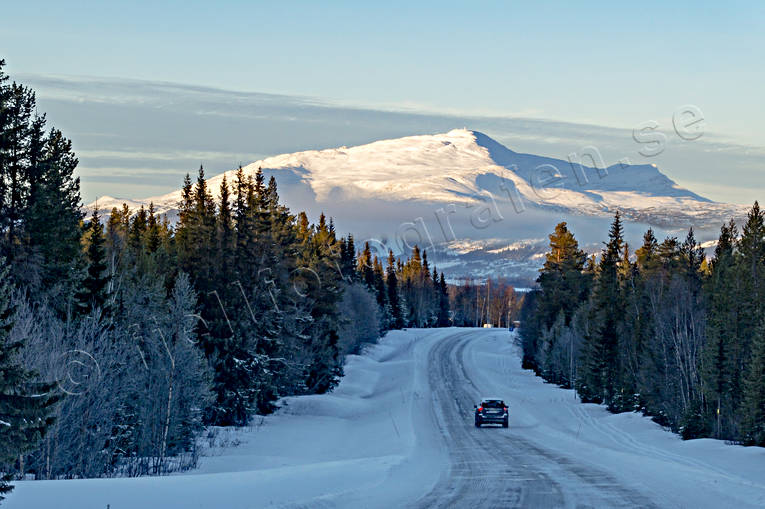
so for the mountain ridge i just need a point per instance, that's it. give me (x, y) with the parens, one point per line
(479, 207)
(460, 167)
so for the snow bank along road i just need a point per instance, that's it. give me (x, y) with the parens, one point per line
(398, 432)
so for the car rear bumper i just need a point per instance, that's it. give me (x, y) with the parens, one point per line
(493, 418)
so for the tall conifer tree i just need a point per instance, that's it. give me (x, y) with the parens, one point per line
(95, 285)
(600, 370)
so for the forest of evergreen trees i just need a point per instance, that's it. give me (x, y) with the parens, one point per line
(663, 330)
(123, 335)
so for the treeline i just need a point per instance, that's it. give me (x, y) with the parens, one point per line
(407, 292)
(123, 335)
(493, 302)
(663, 330)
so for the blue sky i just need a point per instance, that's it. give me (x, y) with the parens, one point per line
(595, 64)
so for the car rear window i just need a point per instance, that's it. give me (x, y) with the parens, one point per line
(493, 404)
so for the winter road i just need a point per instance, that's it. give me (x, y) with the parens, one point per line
(398, 432)
(494, 467)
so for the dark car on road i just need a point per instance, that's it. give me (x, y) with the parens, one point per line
(491, 411)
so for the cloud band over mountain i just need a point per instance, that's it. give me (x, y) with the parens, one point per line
(125, 131)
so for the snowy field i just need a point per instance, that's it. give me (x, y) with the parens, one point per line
(398, 431)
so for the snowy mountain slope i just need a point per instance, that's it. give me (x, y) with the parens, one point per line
(398, 432)
(463, 185)
(460, 167)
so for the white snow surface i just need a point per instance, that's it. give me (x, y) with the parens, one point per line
(375, 442)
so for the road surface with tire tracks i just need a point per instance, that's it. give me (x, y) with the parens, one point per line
(492, 467)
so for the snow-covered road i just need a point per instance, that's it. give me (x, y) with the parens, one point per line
(398, 432)
(493, 467)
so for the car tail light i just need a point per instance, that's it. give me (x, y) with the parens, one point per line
(480, 409)
(505, 409)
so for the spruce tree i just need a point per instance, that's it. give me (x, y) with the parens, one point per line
(754, 392)
(366, 267)
(639, 318)
(53, 220)
(293, 314)
(751, 267)
(348, 258)
(203, 233)
(600, 371)
(647, 253)
(137, 233)
(93, 294)
(379, 283)
(272, 197)
(719, 367)
(116, 237)
(325, 366)
(18, 109)
(225, 232)
(153, 237)
(693, 257)
(443, 302)
(183, 227)
(391, 282)
(241, 211)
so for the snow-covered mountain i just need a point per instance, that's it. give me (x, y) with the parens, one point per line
(462, 186)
